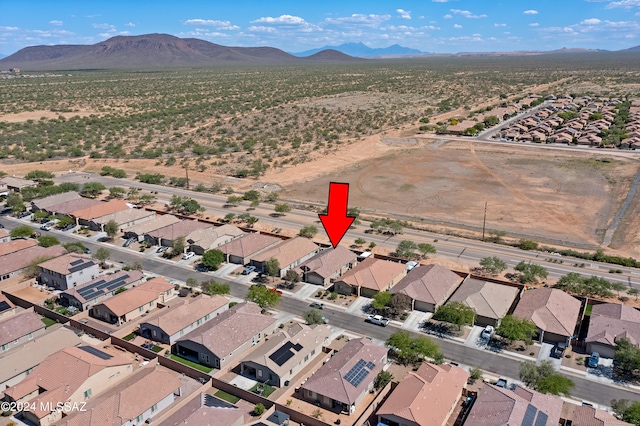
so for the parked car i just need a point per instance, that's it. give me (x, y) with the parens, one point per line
(162, 249)
(201, 268)
(87, 250)
(325, 320)
(24, 214)
(188, 255)
(558, 350)
(411, 264)
(129, 242)
(248, 269)
(46, 227)
(69, 227)
(378, 320)
(501, 383)
(593, 360)
(317, 305)
(1, 226)
(487, 332)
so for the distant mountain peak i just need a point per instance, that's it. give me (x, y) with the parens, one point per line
(360, 49)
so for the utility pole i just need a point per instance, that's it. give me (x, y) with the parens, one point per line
(484, 221)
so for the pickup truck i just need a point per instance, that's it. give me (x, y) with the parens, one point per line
(378, 320)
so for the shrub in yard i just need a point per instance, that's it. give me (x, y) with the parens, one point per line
(258, 410)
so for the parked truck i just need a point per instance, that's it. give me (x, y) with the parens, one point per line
(378, 320)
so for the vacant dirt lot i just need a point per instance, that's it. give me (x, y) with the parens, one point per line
(567, 196)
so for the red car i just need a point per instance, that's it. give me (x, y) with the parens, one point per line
(276, 290)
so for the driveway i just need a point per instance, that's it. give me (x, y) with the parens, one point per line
(356, 308)
(415, 320)
(474, 340)
(545, 353)
(225, 269)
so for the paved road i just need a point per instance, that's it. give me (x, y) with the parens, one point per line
(500, 365)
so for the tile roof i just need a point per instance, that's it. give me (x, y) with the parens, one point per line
(153, 224)
(328, 262)
(288, 251)
(611, 321)
(16, 245)
(231, 329)
(373, 273)
(208, 237)
(127, 301)
(500, 406)
(205, 410)
(52, 200)
(125, 216)
(19, 325)
(177, 317)
(249, 244)
(17, 182)
(552, 310)
(126, 400)
(102, 209)
(489, 299)
(589, 416)
(428, 283)
(65, 264)
(21, 259)
(426, 396)
(329, 379)
(67, 207)
(130, 276)
(178, 229)
(4, 233)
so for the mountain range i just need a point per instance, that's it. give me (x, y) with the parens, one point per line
(364, 51)
(154, 51)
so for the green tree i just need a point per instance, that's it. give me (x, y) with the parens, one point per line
(406, 249)
(212, 259)
(23, 231)
(292, 276)
(15, 202)
(117, 192)
(455, 313)
(530, 272)
(514, 328)
(555, 384)
(632, 414)
(410, 350)
(234, 200)
(40, 214)
(48, 241)
(39, 175)
(111, 228)
(258, 409)
(192, 282)
(618, 287)
(251, 195)
(102, 255)
(92, 189)
(493, 265)
(179, 245)
(308, 231)
(627, 356)
(251, 220)
(281, 209)
(211, 288)
(496, 236)
(360, 241)
(313, 316)
(229, 217)
(633, 292)
(475, 374)
(63, 221)
(525, 244)
(272, 267)
(381, 300)
(272, 197)
(426, 249)
(75, 247)
(491, 120)
(263, 296)
(543, 378)
(254, 204)
(382, 379)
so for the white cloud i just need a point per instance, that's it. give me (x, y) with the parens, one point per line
(499, 25)
(447, 16)
(262, 29)
(281, 20)
(457, 26)
(534, 24)
(113, 33)
(623, 4)
(439, 1)
(530, 12)
(591, 21)
(130, 24)
(467, 14)
(404, 14)
(8, 28)
(104, 26)
(58, 23)
(371, 20)
(219, 25)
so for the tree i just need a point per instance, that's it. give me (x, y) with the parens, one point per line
(192, 282)
(426, 249)
(618, 287)
(251, 220)
(75, 247)
(254, 204)
(475, 373)
(555, 384)
(272, 197)
(308, 231)
(147, 199)
(40, 214)
(92, 189)
(263, 296)
(211, 259)
(281, 209)
(493, 265)
(496, 236)
(525, 244)
(360, 241)
(382, 379)
(48, 241)
(455, 313)
(399, 304)
(178, 246)
(292, 276)
(33, 270)
(491, 120)
(102, 255)
(313, 316)
(258, 409)
(23, 231)
(543, 378)
(272, 267)
(117, 192)
(15, 202)
(530, 272)
(406, 249)
(380, 300)
(251, 195)
(627, 410)
(211, 288)
(64, 221)
(229, 217)
(514, 328)
(234, 200)
(39, 175)
(411, 350)
(111, 228)
(627, 355)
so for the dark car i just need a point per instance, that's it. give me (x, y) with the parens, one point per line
(87, 250)
(129, 242)
(24, 214)
(69, 227)
(317, 305)
(5, 212)
(1, 226)
(558, 350)
(201, 268)
(593, 360)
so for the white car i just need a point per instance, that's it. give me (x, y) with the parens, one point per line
(487, 332)
(378, 320)
(188, 255)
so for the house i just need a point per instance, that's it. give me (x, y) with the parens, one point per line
(289, 254)
(212, 237)
(553, 311)
(491, 301)
(610, 322)
(138, 231)
(242, 249)
(285, 354)
(52, 200)
(327, 265)
(20, 361)
(13, 246)
(501, 406)
(14, 263)
(101, 288)
(424, 397)
(133, 401)
(15, 184)
(226, 337)
(202, 409)
(68, 271)
(124, 218)
(6, 307)
(166, 235)
(134, 303)
(85, 217)
(94, 371)
(347, 377)
(66, 207)
(428, 286)
(5, 236)
(178, 320)
(20, 328)
(370, 277)
(590, 416)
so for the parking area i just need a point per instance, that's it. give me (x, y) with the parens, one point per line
(546, 354)
(475, 339)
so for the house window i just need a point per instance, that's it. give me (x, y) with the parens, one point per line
(168, 292)
(306, 358)
(206, 317)
(313, 352)
(154, 408)
(139, 418)
(200, 321)
(259, 373)
(87, 394)
(150, 303)
(140, 308)
(30, 336)
(5, 347)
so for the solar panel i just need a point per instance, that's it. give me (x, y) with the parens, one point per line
(529, 415)
(95, 352)
(359, 372)
(212, 401)
(80, 266)
(542, 419)
(101, 286)
(4, 306)
(284, 353)
(76, 262)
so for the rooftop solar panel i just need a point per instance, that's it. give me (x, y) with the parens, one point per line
(95, 352)
(359, 372)
(529, 415)
(99, 287)
(542, 419)
(4, 306)
(76, 262)
(212, 401)
(284, 353)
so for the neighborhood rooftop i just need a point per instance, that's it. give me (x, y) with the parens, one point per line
(19, 325)
(288, 251)
(16, 245)
(373, 273)
(104, 284)
(176, 318)
(102, 209)
(611, 321)
(552, 310)
(202, 410)
(68, 264)
(21, 259)
(428, 283)
(147, 292)
(328, 261)
(488, 299)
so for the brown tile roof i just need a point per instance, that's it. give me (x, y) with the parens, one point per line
(205, 410)
(63, 264)
(178, 229)
(427, 396)
(552, 310)
(611, 321)
(4, 233)
(153, 224)
(132, 299)
(126, 400)
(16, 245)
(102, 209)
(307, 337)
(373, 273)
(176, 318)
(21, 259)
(288, 251)
(489, 300)
(67, 207)
(53, 373)
(231, 329)
(125, 216)
(133, 276)
(19, 325)
(329, 379)
(249, 244)
(3, 300)
(589, 416)
(428, 283)
(328, 262)
(52, 200)
(208, 237)
(17, 182)
(500, 406)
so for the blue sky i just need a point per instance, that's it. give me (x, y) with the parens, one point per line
(297, 25)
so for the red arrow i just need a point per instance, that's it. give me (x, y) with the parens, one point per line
(336, 222)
